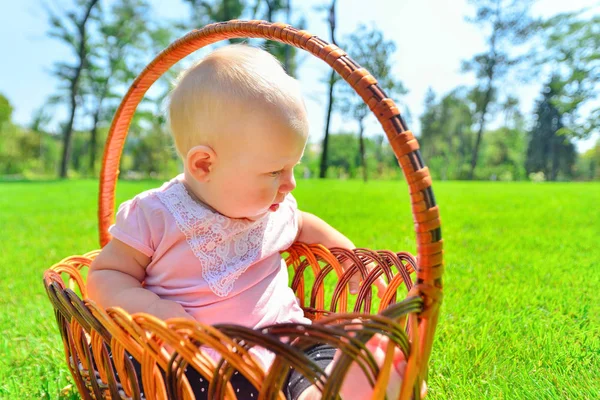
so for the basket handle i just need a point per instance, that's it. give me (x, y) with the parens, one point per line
(406, 148)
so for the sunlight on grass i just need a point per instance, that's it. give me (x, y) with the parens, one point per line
(520, 318)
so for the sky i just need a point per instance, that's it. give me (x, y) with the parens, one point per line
(432, 38)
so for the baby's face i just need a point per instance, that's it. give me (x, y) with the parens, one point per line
(254, 171)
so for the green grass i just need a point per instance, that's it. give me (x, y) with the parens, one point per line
(521, 312)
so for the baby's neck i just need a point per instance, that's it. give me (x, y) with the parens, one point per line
(194, 192)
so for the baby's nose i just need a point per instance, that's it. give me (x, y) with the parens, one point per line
(288, 183)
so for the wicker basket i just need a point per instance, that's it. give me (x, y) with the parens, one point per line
(98, 343)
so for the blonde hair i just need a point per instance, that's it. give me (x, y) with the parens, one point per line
(231, 82)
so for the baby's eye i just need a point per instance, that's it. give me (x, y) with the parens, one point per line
(275, 173)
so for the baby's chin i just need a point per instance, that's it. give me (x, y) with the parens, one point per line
(262, 213)
(249, 215)
(255, 218)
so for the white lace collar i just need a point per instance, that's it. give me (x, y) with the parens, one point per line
(224, 246)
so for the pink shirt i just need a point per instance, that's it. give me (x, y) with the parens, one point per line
(221, 270)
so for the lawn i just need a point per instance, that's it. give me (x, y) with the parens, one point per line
(521, 312)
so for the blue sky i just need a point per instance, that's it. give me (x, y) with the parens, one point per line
(432, 38)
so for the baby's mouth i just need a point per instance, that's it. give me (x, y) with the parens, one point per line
(274, 207)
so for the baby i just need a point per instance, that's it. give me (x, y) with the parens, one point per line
(206, 244)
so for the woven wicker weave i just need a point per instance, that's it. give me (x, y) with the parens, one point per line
(89, 332)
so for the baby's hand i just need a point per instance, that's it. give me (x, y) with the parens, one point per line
(166, 309)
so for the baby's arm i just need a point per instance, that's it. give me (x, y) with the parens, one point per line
(115, 279)
(313, 229)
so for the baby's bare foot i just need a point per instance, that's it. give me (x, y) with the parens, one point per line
(356, 386)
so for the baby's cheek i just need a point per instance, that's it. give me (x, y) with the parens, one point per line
(268, 194)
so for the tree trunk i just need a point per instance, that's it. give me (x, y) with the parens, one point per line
(226, 11)
(255, 9)
(361, 148)
(486, 102)
(96, 121)
(68, 132)
(270, 7)
(555, 159)
(93, 142)
(287, 50)
(323, 167)
(81, 53)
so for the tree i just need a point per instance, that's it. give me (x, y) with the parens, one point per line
(509, 24)
(446, 134)
(571, 46)
(589, 163)
(369, 48)
(49, 146)
(114, 60)
(7, 137)
(504, 154)
(549, 151)
(19, 148)
(280, 10)
(205, 12)
(72, 29)
(6, 110)
(428, 117)
(151, 150)
(384, 158)
(333, 78)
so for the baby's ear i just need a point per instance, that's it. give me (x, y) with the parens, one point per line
(199, 162)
